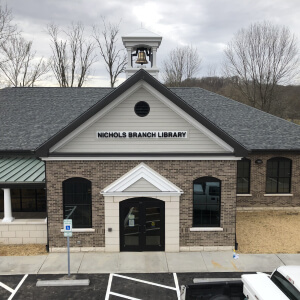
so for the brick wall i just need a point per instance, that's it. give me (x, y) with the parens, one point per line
(258, 183)
(103, 173)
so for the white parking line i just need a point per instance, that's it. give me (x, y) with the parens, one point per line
(124, 296)
(108, 286)
(147, 282)
(6, 287)
(108, 290)
(18, 286)
(13, 291)
(177, 286)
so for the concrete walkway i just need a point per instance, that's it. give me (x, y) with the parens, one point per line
(144, 262)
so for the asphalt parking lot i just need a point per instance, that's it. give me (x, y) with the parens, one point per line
(104, 286)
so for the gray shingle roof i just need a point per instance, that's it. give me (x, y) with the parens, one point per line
(253, 128)
(30, 116)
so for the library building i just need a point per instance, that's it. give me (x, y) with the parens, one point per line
(140, 167)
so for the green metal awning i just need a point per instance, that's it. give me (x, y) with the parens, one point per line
(21, 171)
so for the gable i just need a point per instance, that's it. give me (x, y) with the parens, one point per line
(130, 183)
(119, 117)
(142, 185)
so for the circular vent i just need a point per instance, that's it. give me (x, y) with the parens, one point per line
(142, 109)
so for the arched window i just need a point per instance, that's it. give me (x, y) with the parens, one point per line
(279, 170)
(243, 176)
(78, 202)
(207, 200)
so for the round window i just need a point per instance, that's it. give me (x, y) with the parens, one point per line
(142, 109)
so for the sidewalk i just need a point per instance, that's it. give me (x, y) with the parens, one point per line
(144, 262)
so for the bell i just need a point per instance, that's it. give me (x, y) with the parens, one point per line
(141, 58)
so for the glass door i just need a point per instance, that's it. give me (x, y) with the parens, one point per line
(153, 226)
(131, 226)
(142, 225)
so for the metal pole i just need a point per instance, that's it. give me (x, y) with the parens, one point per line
(68, 240)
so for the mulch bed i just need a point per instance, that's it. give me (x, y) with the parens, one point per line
(257, 232)
(268, 232)
(22, 250)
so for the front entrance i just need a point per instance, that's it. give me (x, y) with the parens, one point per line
(142, 225)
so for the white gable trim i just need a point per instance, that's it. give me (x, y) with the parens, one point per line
(203, 157)
(156, 94)
(164, 186)
(97, 116)
(187, 117)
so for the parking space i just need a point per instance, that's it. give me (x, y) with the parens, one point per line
(143, 286)
(113, 286)
(28, 290)
(11, 285)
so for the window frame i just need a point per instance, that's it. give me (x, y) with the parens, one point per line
(73, 180)
(20, 199)
(285, 286)
(278, 160)
(207, 179)
(249, 176)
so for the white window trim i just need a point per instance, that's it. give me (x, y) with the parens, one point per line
(81, 230)
(278, 195)
(206, 229)
(93, 158)
(244, 195)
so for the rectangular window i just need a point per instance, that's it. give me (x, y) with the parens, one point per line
(278, 176)
(26, 200)
(207, 200)
(243, 176)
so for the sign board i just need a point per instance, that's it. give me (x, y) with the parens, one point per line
(68, 227)
(142, 134)
(131, 220)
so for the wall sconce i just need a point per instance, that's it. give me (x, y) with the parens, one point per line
(259, 161)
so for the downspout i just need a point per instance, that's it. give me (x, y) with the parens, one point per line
(47, 246)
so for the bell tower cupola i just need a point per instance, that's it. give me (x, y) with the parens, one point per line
(141, 47)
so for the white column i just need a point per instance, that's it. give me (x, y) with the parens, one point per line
(7, 207)
(154, 57)
(129, 57)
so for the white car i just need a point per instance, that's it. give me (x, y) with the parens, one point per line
(283, 284)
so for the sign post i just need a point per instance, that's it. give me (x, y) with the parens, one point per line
(68, 233)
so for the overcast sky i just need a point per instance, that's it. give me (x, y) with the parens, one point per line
(206, 24)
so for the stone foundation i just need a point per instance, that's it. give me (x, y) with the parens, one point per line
(22, 231)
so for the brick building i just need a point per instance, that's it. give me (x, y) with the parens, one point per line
(141, 167)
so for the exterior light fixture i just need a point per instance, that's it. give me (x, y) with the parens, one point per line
(259, 161)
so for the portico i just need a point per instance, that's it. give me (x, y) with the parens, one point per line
(22, 200)
(140, 185)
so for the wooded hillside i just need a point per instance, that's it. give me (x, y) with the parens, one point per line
(288, 107)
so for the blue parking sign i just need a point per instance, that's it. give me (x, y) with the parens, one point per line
(68, 227)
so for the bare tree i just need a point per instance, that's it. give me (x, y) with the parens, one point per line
(183, 63)
(114, 57)
(262, 57)
(19, 65)
(72, 57)
(6, 27)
